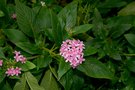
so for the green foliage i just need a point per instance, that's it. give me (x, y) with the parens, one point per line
(63, 68)
(43, 61)
(15, 35)
(32, 82)
(28, 81)
(49, 82)
(81, 29)
(130, 38)
(96, 69)
(106, 28)
(22, 84)
(128, 10)
(69, 15)
(89, 50)
(1, 14)
(27, 66)
(2, 54)
(25, 20)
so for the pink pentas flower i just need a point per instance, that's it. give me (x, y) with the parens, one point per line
(72, 51)
(17, 71)
(13, 71)
(19, 58)
(1, 62)
(13, 16)
(22, 59)
(17, 53)
(10, 71)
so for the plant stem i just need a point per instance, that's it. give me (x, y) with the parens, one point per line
(33, 57)
(129, 55)
(51, 52)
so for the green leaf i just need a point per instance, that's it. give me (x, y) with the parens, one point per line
(28, 47)
(58, 32)
(89, 50)
(81, 29)
(129, 87)
(2, 54)
(131, 49)
(49, 34)
(27, 66)
(6, 86)
(32, 82)
(43, 19)
(128, 10)
(21, 85)
(25, 18)
(43, 22)
(94, 68)
(119, 30)
(67, 80)
(21, 41)
(54, 72)
(131, 64)
(63, 68)
(69, 15)
(2, 75)
(112, 4)
(98, 26)
(43, 61)
(4, 21)
(49, 82)
(78, 83)
(48, 22)
(15, 35)
(130, 38)
(1, 13)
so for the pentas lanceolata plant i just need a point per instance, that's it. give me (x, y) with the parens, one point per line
(72, 51)
(11, 69)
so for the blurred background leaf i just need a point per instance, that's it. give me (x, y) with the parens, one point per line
(128, 10)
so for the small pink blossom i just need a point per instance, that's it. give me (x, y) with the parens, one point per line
(22, 59)
(13, 16)
(10, 71)
(17, 71)
(72, 51)
(19, 58)
(13, 71)
(1, 62)
(17, 53)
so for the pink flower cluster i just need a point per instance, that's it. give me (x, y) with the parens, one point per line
(72, 51)
(16, 71)
(13, 71)
(1, 62)
(18, 57)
